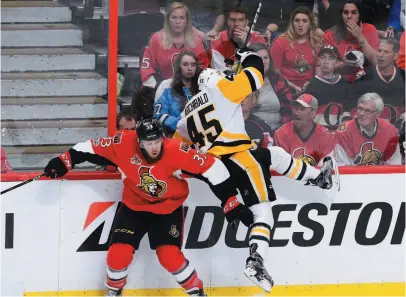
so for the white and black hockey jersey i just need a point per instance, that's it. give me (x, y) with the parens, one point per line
(213, 120)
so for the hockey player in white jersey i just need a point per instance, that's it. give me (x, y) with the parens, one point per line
(212, 120)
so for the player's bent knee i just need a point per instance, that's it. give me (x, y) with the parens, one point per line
(263, 213)
(170, 257)
(119, 256)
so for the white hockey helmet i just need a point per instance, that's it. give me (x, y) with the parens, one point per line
(206, 75)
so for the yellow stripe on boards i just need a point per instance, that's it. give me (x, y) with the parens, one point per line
(361, 289)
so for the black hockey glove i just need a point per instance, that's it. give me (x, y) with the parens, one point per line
(235, 211)
(58, 166)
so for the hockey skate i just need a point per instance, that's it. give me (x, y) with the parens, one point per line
(113, 291)
(195, 292)
(325, 179)
(256, 272)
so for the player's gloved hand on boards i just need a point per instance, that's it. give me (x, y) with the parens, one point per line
(243, 53)
(58, 166)
(234, 210)
(324, 180)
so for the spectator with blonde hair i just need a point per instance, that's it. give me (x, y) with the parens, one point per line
(294, 52)
(164, 46)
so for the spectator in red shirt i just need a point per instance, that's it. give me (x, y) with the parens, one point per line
(303, 138)
(294, 53)
(401, 57)
(352, 34)
(367, 139)
(164, 46)
(5, 164)
(224, 47)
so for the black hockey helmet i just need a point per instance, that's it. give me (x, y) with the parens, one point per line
(149, 129)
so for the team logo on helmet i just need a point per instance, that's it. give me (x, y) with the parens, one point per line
(174, 231)
(149, 184)
(300, 153)
(368, 155)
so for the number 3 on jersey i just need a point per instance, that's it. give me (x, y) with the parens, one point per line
(200, 137)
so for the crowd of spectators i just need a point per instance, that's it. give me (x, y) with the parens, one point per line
(330, 88)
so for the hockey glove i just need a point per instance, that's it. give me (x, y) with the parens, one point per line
(235, 211)
(58, 166)
(325, 179)
(243, 53)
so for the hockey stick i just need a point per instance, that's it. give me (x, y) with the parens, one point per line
(253, 23)
(23, 183)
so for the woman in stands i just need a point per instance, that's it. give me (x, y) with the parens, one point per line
(294, 52)
(274, 97)
(164, 46)
(173, 94)
(351, 34)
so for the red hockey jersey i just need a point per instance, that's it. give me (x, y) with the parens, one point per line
(355, 147)
(296, 62)
(157, 187)
(158, 59)
(311, 150)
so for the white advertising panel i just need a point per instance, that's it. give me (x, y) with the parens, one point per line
(321, 243)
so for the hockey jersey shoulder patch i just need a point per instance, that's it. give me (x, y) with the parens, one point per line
(342, 127)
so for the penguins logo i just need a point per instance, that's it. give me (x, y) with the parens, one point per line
(300, 153)
(149, 184)
(368, 155)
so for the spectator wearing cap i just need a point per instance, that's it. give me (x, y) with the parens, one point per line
(384, 79)
(229, 41)
(351, 34)
(367, 139)
(164, 46)
(330, 89)
(257, 129)
(303, 138)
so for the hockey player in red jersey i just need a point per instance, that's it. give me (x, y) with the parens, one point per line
(153, 194)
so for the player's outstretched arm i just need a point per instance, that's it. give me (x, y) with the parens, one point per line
(98, 151)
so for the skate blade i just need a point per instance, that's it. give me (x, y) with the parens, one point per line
(264, 285)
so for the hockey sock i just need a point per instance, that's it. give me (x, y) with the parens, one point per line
(260, 237)
(173, 260)
(119, 257)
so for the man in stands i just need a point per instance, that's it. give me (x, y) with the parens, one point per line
(367, 139)
(384, 79)
(229, 41)
(125, 120)
(153, 195)
(303, 138)
(330, 89)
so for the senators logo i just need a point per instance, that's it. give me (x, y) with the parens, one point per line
(135, 160)
(300, 153)
(174, 231)
(149, 184)
(301, 64)
(368, 155)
